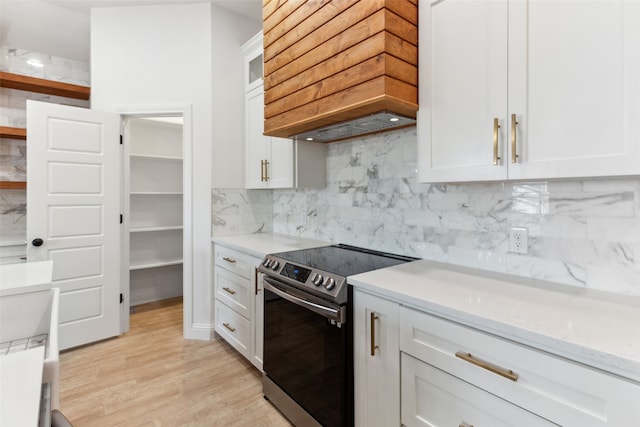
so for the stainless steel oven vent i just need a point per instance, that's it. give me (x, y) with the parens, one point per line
(384, 120)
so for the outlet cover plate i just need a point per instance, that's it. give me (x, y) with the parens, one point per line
(519, 240)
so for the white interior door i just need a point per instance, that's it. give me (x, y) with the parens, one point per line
(73, 206)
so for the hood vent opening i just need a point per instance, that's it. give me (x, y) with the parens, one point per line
(377, 122)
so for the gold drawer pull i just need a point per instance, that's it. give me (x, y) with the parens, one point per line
(507, 373)
(231, 260)
(465, 425)
(373, 333)
(229, 290)
(228, 326)
(514, 124)
(496, 126)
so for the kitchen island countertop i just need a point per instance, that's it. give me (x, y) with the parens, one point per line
(589, 327)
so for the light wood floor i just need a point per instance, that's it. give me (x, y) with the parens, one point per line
(151, 376)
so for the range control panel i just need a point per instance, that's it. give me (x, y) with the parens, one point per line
(324, 284)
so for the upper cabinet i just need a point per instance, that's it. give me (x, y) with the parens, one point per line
(274, 162)
(528, 90)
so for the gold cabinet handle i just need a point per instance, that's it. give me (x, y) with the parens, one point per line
(496, 126)
(373, 333)
(266, 170)
(232, 292)
(514, 124)
(231, 260)
(228, 326)
(262, 179)
(465, 425)
(507, 373)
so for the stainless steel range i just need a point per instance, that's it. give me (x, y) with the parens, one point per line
(308, 335)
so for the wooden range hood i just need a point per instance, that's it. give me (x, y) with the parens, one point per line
(335, 69)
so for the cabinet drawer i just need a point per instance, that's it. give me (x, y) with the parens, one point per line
(559, 390)
(431, 397)
(234, 328)
(234, 291)
(233, 260)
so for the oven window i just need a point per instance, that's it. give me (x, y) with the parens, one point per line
(306, 356)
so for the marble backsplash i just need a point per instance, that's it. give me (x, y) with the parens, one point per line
(241, 212)
(584, 233)
(13, 153)
(13, 217)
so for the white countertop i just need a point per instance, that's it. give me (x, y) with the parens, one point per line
(261, 244)
(20, 387)
(25, 277)
(592, 328)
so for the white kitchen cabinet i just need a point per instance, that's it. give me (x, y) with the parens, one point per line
(535, 90)
(430, 371)
(155, 210)
(239, 303)
(274, 162)
(376, 361)
(434, 398)
(457, 374)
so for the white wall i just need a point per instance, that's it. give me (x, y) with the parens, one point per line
(157, 56)
(229, 32)
(40, 26)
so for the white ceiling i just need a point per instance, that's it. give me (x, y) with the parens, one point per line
(62, 27)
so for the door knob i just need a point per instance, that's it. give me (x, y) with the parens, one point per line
(37, 242)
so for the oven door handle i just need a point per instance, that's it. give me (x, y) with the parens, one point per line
(329, 313)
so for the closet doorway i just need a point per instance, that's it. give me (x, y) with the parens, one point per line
(154, 238)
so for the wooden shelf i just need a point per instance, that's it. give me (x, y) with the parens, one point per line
(15, 133)
(49, 87)
(13, 185)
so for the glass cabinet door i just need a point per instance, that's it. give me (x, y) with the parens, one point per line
(255, 69)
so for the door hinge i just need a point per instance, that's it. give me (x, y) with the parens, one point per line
(121, 298)
(121, 218)
(121, 138)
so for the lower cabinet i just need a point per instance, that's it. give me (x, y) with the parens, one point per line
(233, 327)
(556, 389)
(376, 360)
(434, 398)
(238, 305)
(416, 369)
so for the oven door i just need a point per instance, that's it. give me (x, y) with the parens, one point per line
(307, 352)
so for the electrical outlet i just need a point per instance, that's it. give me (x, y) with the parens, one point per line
(519, 240)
